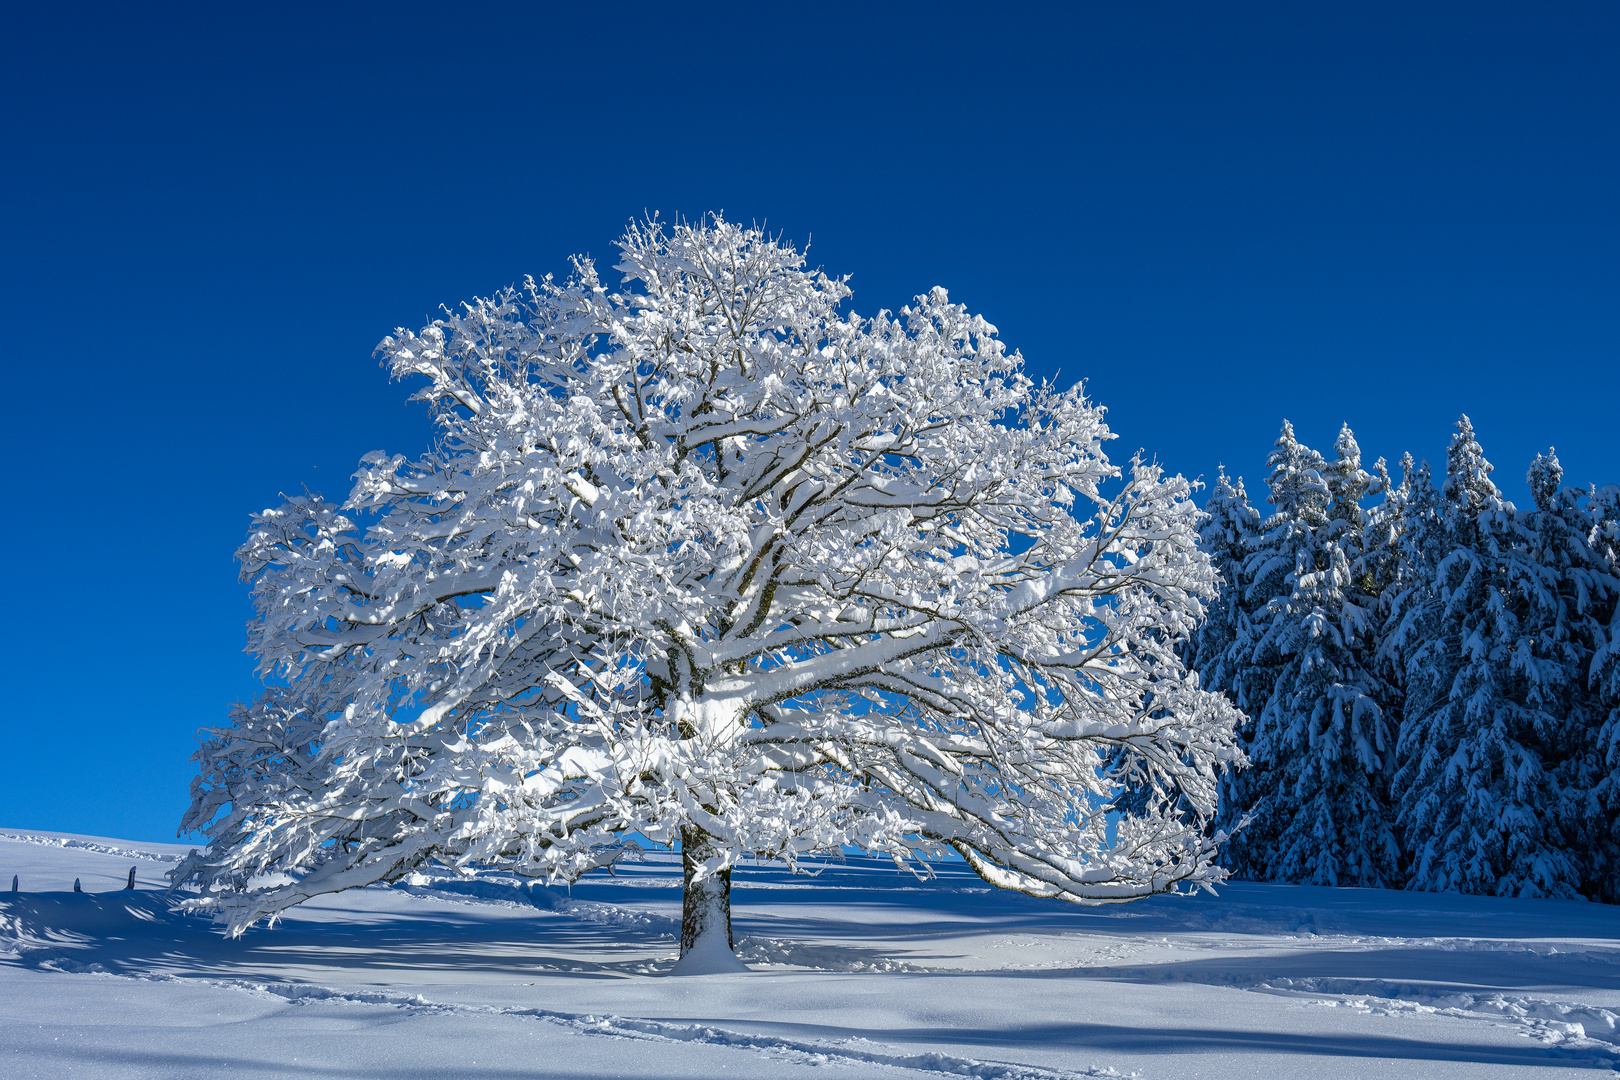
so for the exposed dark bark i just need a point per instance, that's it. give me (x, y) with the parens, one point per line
(707, 901)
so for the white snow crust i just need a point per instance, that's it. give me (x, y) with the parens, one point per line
(858, 972)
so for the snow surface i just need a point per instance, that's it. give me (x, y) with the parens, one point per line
(858, 972)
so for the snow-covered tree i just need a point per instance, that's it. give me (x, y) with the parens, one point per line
(1216, 649)
(1255, 659)
(1321, 748)
(1479, 808)
(1222, 649)
(1337, 742)
(1472, 647)
(1412, 521)
(709, 559)
(1378, 571)
(1600, 810)
(1566, 585)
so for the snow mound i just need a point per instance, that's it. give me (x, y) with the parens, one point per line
(709, 955)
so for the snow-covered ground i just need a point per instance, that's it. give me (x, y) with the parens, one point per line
(858, 972)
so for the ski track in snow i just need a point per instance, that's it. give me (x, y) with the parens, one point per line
(1550, 1021)
(1587, 1029)
(1578, 1033)
(801, 1052)
(813, 1052)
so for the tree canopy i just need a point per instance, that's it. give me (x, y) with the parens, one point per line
(708, 558)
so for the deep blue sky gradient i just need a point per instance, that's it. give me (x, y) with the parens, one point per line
(1218, 215)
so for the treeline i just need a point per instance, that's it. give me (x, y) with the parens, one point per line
(1432, 675)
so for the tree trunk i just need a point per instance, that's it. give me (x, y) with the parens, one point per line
(705, 903)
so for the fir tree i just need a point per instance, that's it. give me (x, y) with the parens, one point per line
(1220, 649)
(1603, 796)
(1434, 684)
(1298, 652)
(1332, 746)
(1569, 587)
(1255, 657)
(1228, 536)
(1478, 808)
(1377, 569)
(1603, 833)
(1408, 651)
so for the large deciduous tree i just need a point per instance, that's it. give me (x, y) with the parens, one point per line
(710, 559)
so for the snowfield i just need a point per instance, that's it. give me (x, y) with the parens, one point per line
(858, 972)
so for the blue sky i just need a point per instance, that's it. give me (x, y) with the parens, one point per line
(1218, 216)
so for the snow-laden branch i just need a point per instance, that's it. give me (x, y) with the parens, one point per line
(710, 552)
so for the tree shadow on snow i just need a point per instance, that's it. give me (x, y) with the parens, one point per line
(141, 933)
(1394, 972)
(1083, 1036)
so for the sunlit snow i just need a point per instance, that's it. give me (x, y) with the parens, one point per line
(858, 972)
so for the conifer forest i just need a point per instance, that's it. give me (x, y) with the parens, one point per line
(1431, 674)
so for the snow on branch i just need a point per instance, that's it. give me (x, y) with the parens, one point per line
(704, 549)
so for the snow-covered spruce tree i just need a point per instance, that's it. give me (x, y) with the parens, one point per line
(1378, 570)
(1218, 648)
(1254, 658)
(1338, 744)
(1479, 811)
(1413, 520)
(1600, 803)
(707, 559)
(1566, 587)
(1221, 650)
(1321, 748)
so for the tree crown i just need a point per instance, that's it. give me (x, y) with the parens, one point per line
(706, 551)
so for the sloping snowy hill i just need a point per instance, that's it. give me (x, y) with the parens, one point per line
(859, 972)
